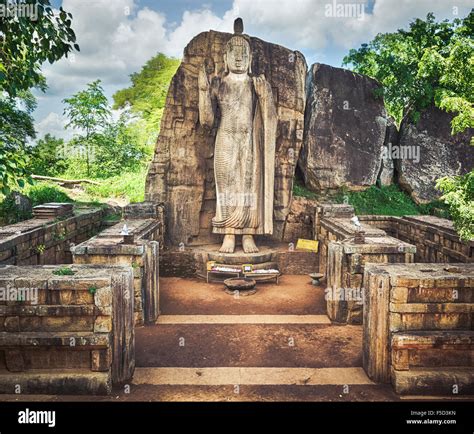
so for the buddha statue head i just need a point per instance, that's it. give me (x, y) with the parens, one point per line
(238, 57)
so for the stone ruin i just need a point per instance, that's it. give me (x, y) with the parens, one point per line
(71, 292)
(332, 129)
(181, 175)
(97, 281)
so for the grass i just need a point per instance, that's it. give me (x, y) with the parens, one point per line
(113, 218)
(129, 186)
(64, 271)
(43, 192)
(300, 190)
(388, 200)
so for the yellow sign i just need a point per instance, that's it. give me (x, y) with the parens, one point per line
(247, 268)
(210, 265)
(310, 245)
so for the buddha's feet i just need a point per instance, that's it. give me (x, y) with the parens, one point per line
(228, 245)
(248, 244)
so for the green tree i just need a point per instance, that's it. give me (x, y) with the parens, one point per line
(459, 195)
(117, 149)
(25, 43)
(28, 41)
(47, 156)
(89, 112)
(432, 62)
(16, 128)
(146, 97)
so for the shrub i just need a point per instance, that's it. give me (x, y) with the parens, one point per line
(388, 200)
(10, 212)
(43, 193)
(459, 196)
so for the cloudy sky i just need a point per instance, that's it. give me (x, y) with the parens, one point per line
(117, 37)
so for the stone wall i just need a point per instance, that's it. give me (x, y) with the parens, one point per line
(181, 175)
(345, 271)
(179, 263)
(297, 262)
(65, 334)
(332, 223)
(300, 221)
(142, 254)
(47, 241)
(418, 327)
(435, 238)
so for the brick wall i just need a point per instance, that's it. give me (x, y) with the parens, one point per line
(435, 238)
(43, 241)
(418, 327)
(142, 255)
(65, 334)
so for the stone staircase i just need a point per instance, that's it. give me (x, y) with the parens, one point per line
(276, 345)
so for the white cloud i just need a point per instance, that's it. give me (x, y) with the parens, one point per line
(303, 24)
(117, 38)
(193, 23)
(53, 124)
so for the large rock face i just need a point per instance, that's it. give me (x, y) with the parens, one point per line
(436, 154)
(345, 126)
(181, 175)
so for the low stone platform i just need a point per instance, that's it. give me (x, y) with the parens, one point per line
(65, 330)
(418, 331)
(265, 254)
(109, 247)
(191, 261)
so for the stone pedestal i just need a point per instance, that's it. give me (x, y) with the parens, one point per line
(345, 272)
(110, 247)
(418, 327)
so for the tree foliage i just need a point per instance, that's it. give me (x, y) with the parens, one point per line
(432, 62)
(117, 149)
(16, 127)
(88, 111)
(111, 147)
(146, 97)
(28, 41)
(459, 195)
(47, 156)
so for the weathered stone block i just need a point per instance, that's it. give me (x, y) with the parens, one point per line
(345, 123)
(439, 153)
(103, 324)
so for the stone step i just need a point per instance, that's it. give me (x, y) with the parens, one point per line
(273, 393)
(254, 376)
(451, 381)
(233, 393)
(56, 382)
(243, 319)
(239, 257)
(244, 345)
